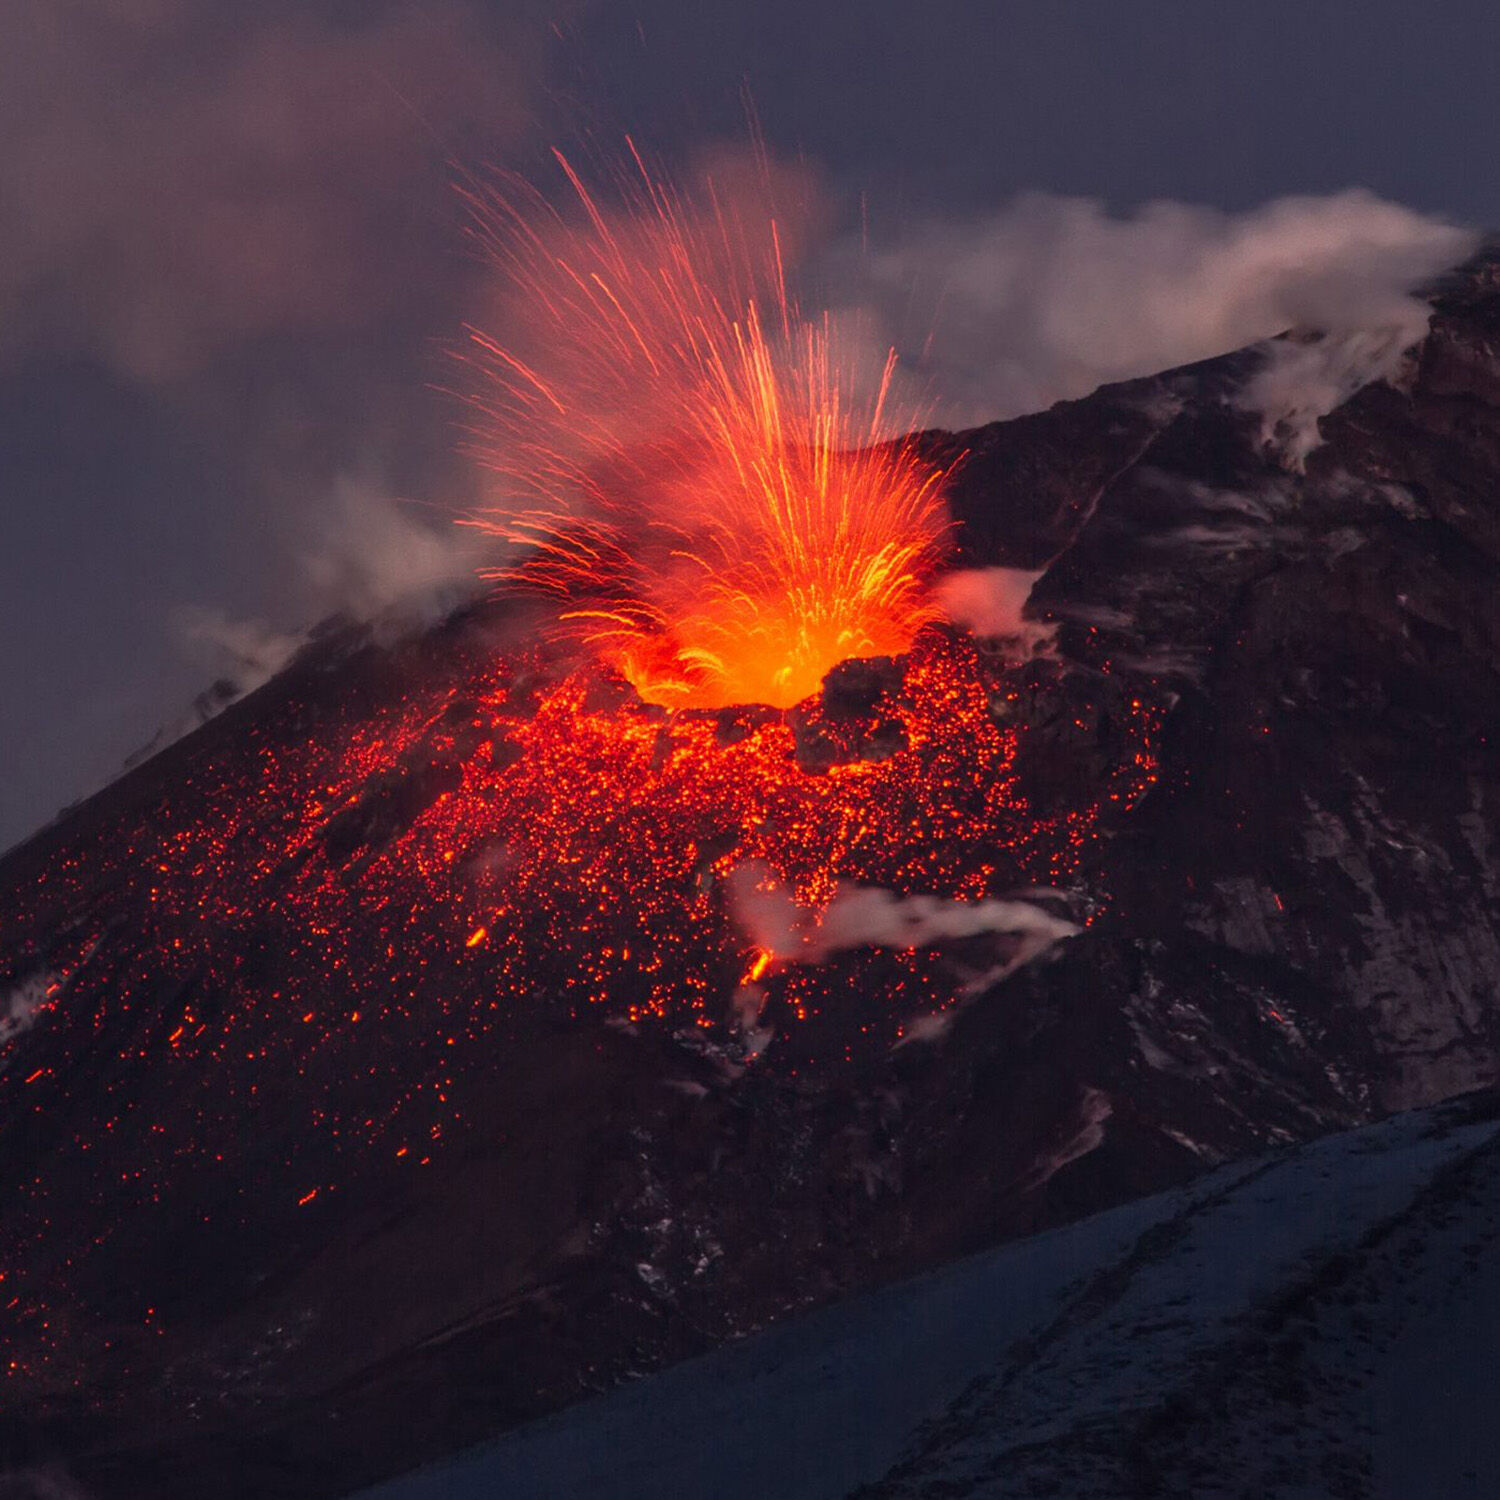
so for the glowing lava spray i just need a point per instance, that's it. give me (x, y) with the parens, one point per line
(693, 468)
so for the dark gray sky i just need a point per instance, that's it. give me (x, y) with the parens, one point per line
(229, 255)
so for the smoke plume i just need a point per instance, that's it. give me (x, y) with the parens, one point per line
(868, 916)
(246, 651)
(1052, 297)
(369, 553)
(1304, 379)
(179, 178)
(228, 249)
(991, 602)
(23, 1003)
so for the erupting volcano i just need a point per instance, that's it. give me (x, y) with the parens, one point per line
(699, 926)
(735, 685)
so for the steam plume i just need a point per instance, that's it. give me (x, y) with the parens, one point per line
(1052, 297)
(869, 916)
(20, 1007)
(179, 179)
(991, 602)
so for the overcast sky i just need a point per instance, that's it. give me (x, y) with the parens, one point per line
(230, 254)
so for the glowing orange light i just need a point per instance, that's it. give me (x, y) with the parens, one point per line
(693, 467)
(598, 838)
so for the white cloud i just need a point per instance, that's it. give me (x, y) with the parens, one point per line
(247, 652)
(990, 602)
(1305, 379)
(367, 553)
(21, 1005)
(179, 177)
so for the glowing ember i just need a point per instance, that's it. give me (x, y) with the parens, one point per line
(347, 909)
(695, 473)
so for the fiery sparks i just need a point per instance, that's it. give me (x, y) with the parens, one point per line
(694, 470)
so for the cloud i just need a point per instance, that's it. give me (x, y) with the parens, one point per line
(863, 916)
(364, 554)
(860, 916)
(23, 1004)
(179, 177)
(1303, 379)
(367, 553)
(1053, 296)
(247, 652)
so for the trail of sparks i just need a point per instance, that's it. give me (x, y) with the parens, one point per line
(690, 465)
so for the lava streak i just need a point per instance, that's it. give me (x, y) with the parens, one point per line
(696, 470)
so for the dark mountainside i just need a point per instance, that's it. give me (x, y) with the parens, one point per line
(1319, 1321)
(293, 1203)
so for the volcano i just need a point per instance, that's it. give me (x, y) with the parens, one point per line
(436, 1037)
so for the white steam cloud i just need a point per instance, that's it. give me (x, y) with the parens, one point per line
(23, 1004)
(1304, 379)
(1052, 297)
(868, 916)
(369, 553)
(991, 602)
(365, 555)
(862, 916)
(247, 652)
(370, 557)
(228, 242)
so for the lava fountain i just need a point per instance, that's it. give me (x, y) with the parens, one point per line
(696, 470)
(337, 909)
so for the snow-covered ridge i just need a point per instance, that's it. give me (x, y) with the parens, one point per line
(1236, 1333)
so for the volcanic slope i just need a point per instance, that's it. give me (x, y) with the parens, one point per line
(1320, 1321)
(389, 1062)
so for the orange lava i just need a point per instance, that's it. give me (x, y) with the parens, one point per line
(691, 465)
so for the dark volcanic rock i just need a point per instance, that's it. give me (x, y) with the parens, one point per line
(1296, 932)
(851, 718)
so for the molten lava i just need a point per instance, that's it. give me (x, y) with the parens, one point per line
(694, 470)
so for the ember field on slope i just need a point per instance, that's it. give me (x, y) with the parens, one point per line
(313, 947)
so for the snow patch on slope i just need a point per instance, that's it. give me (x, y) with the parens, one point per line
(23, 1004)
(1043, 1363)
